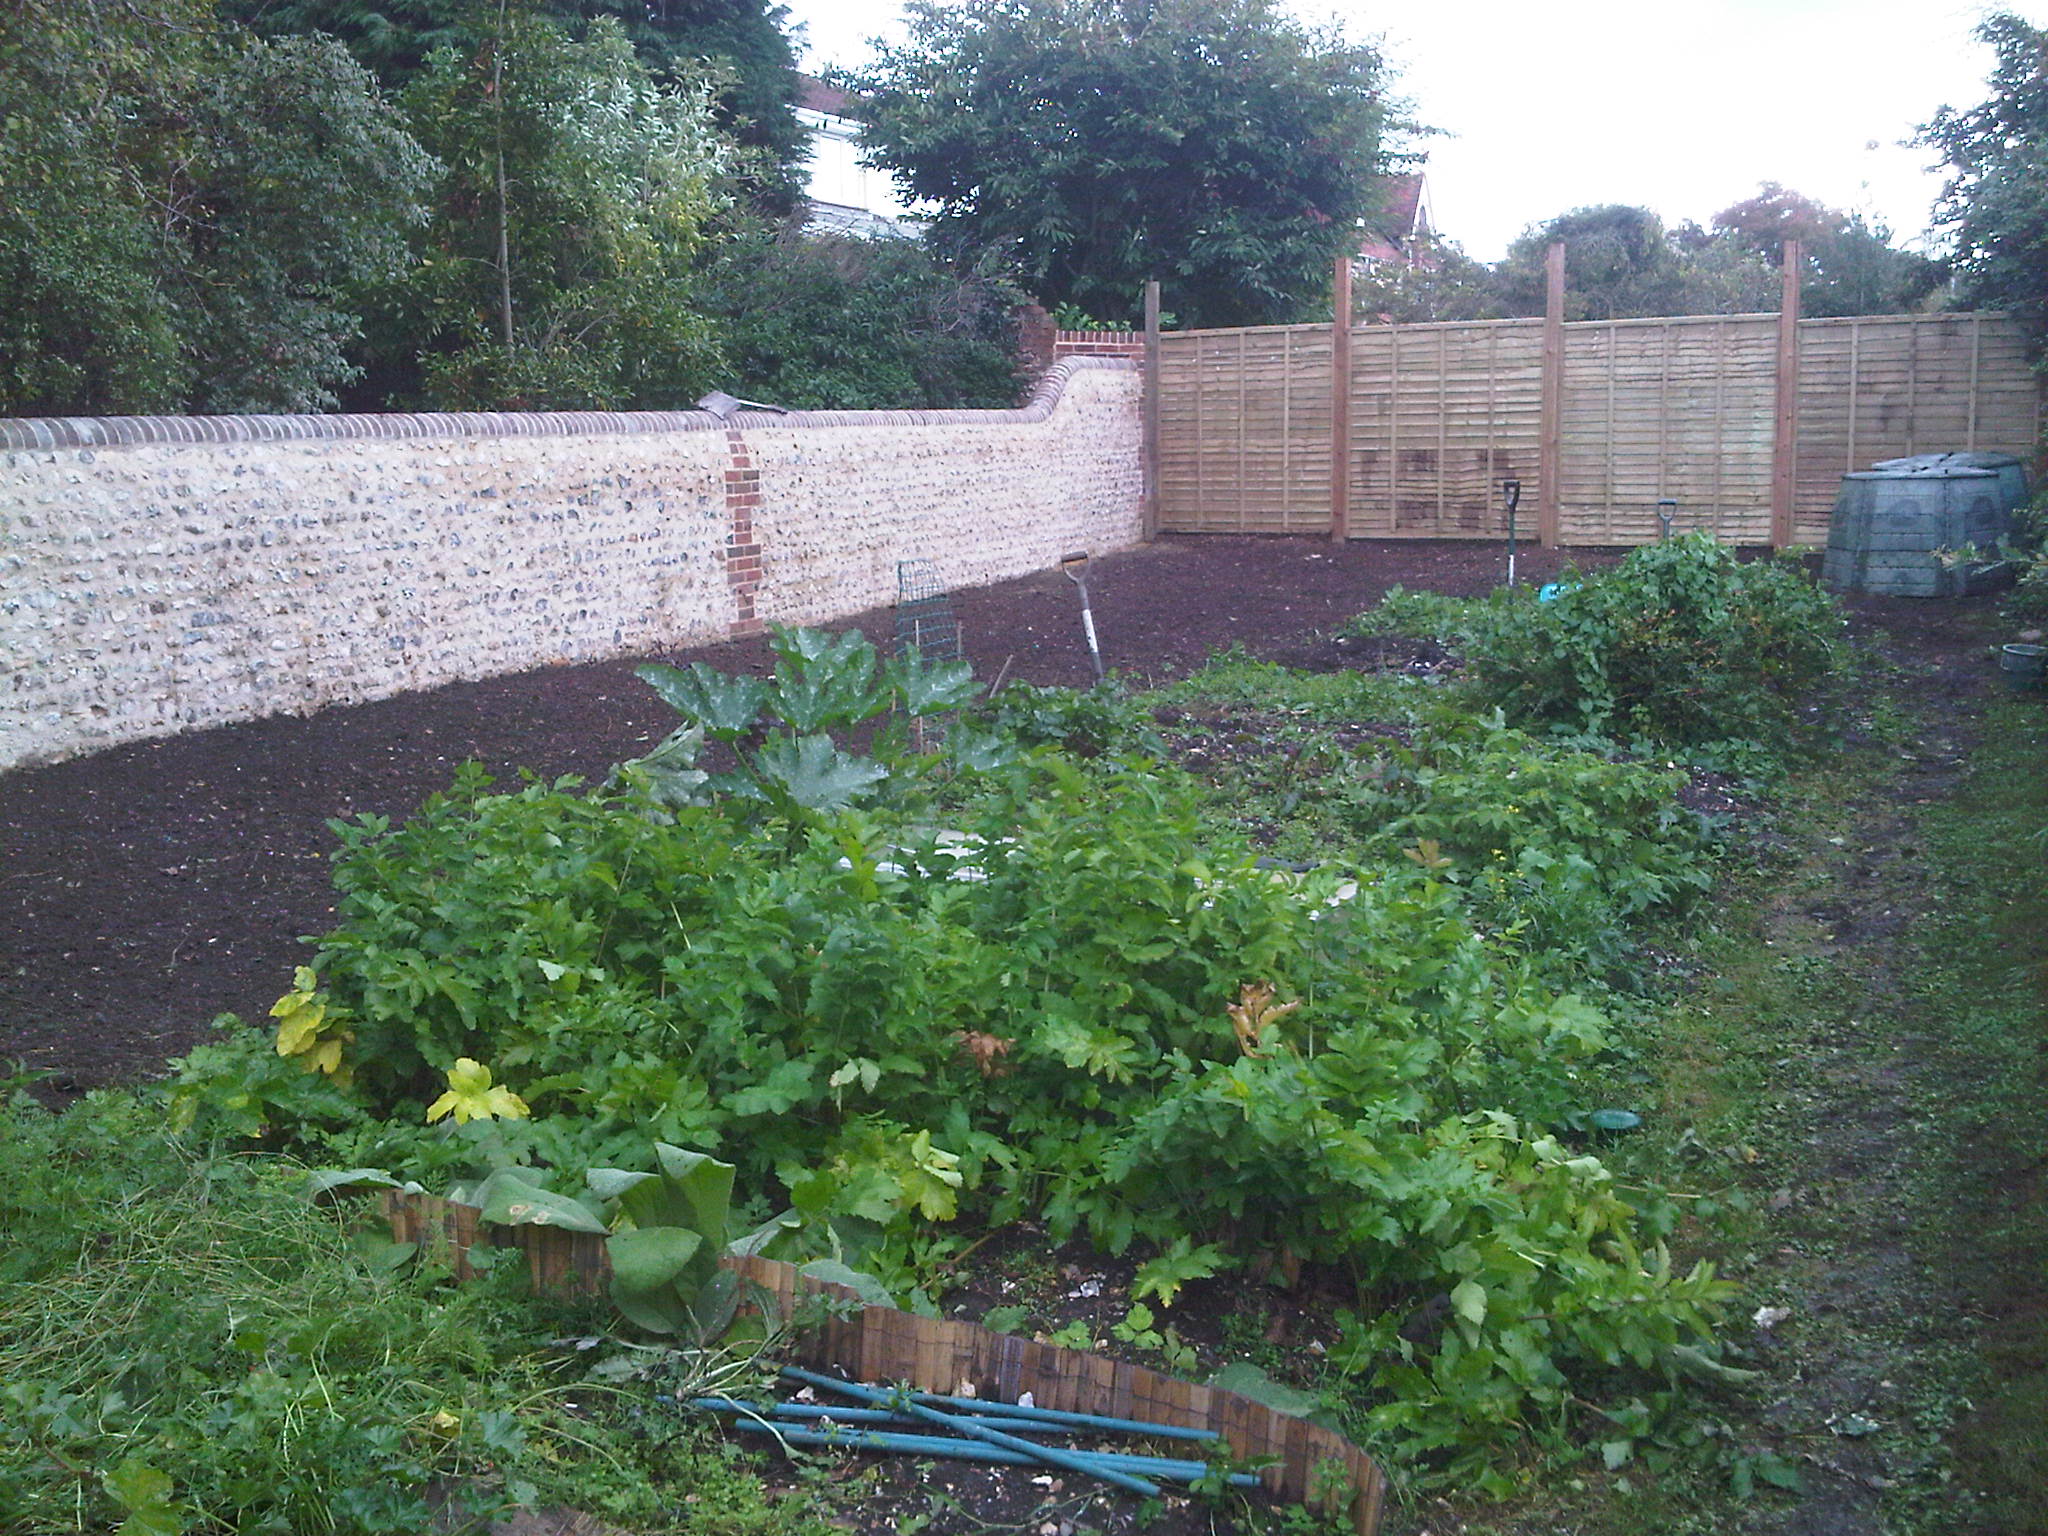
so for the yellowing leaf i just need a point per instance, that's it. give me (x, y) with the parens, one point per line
(1428, 853)
(298, 1028)
(1254, 1013)
(470, 1096)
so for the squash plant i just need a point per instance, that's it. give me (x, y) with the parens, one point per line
(779, 729)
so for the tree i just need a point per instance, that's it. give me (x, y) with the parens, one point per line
(1619, 261)
(1443, 284)
(845, 324)
(745, 42)
(392, 38)
(187, 210)
(1994, 209)
(1854, 269)
(556, 270)
(1214, 144)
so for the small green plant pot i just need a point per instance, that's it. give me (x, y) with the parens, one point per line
(2022, 666)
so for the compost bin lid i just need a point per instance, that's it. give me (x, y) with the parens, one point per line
(1928, 463)
(1925, 472)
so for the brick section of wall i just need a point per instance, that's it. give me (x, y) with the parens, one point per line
(162, 574)
(742, 551)
(1067, 344)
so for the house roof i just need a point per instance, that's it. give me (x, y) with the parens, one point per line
(1402, 222)
(1401, 199)
(815, 95)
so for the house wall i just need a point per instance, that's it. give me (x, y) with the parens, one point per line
(166, 574)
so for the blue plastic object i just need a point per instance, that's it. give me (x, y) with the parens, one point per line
(903, 1402)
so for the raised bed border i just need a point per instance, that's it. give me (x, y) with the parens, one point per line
(937, 1354)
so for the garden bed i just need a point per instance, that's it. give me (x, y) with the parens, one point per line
(1370, 757)
(146, 888)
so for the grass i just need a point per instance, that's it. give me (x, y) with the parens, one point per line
(1848, 1079)
(1838, 1058)
(188, 1344)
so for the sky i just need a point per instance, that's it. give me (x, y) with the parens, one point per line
(1684, 108)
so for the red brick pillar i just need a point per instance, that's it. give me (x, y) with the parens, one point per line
(742, 553)
(1037, 340)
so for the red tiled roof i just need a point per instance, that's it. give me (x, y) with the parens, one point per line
(1400, 196)
(817, 96)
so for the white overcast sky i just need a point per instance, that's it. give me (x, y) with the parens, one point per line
(1684, 108)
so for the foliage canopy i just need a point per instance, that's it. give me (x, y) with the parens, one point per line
(1213, 144)
(1995, 206)
(191, 208)
(555, 272)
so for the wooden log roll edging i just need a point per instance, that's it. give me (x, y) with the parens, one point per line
(933, 1354)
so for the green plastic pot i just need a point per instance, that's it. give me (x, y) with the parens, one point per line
(2022, 665)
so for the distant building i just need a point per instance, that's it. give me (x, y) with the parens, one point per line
(1401, 232)
(846, 197)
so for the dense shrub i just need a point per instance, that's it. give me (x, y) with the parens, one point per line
(1558, 851)
(817, 322)
(1052, 1009)
(1681, 645)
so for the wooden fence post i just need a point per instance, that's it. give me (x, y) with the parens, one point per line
(1551, 423)
(1785, 432)
(1150, 514)
(1340, 401)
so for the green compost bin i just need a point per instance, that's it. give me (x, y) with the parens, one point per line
(1890, 525)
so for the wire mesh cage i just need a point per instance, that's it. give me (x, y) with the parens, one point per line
(924, 613)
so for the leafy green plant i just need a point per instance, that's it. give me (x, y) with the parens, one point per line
(1141, 1330)
(779, 728)
(1557, 850)
(1681, 645)
(188, 1342)
(1062, 1007)
(1084, 721)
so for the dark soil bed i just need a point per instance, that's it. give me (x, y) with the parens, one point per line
(146, 888)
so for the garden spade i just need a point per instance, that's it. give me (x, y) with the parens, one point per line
(1511, 492)
(1075, 565)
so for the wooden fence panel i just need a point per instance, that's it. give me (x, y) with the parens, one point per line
(1440, 415)
(1669, 407)
(1683, 407)
(1883, 386)
(1244, 430)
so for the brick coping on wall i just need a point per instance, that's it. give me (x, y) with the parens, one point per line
(51, 432)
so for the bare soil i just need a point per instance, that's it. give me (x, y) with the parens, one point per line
(149, 887)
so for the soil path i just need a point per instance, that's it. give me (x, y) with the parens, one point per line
(146, 888)
(1856, 1100)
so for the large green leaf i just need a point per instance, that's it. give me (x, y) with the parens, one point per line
(977, 750)
(648, 1259)
(512, 1201)
(824, 680)
(726, 707)
(927, 690)
(816, 775)
(671, 768)
(861, 1283)
(1248, 1380)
